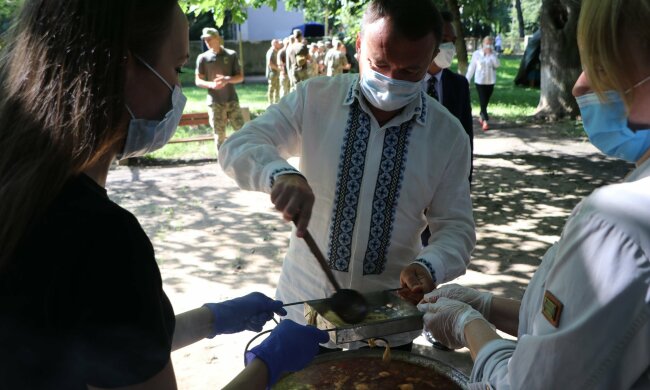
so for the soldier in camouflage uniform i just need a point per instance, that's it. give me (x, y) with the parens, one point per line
(217, 70)
(273, 71)
(313, 63)
(335, 60)
(298, 59)
(285, 84)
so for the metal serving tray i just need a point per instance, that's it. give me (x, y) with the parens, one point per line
(388, 314)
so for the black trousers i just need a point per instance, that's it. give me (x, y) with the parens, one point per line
(484, 95)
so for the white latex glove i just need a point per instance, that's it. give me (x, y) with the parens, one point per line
(479, 300)
(446, 320)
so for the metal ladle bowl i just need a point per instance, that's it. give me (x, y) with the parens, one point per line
(348, 304)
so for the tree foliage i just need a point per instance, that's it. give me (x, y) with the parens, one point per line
(7, 10)
(479, 17)
(220, 8)
(530, 12)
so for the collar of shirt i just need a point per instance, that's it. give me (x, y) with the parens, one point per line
(417, 108)
(641, 172)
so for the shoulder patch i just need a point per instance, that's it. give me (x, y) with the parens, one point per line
(552, 308)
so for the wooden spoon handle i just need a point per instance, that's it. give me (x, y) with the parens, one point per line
(313, 247)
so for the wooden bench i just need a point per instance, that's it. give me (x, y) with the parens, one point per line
(202, 118)
(194, 119)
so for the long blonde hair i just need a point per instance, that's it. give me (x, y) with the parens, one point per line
(62, 80)
(614, 42)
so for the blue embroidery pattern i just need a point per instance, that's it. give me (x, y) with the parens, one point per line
(423, 114)
(387, 191)
(350, 95)
(348, 186)
(429, 267)
(275, 173)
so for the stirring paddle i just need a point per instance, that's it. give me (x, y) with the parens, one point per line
(348, 304)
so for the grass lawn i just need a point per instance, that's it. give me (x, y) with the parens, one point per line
(509, 103)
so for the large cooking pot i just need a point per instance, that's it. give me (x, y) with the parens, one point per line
(319, 364)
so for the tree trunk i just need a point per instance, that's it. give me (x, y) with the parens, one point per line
(520, 18)
(461, 49)
(560, 60)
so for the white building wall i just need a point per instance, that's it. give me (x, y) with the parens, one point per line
(263, 24)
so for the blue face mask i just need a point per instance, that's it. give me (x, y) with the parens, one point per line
(145, 136)
(385, 93)
(607, 127)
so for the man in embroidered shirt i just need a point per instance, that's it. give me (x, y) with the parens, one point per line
(375, 152)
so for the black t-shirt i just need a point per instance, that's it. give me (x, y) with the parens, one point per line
(82, 300)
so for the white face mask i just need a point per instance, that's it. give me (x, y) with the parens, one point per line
(388, 94)
(145, 136)
(446, 55)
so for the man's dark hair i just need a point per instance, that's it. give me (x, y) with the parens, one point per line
(447, 16)
(412, 18)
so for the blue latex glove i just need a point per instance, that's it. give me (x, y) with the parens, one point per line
(249, 312)
(290, 347)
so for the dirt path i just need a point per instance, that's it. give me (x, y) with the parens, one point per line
(214, 242)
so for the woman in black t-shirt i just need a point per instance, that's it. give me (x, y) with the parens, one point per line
(81, 298)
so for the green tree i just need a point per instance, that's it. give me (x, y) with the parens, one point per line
(526, 14)
(560, 59)
(219, 8)
(520, 18)
(8, 8)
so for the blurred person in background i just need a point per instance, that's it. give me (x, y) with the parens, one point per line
(285, 82)
(298, 59)
(218, 70)
(483, 67)
(335, 60)
(273, 72)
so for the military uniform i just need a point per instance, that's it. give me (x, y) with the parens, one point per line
(223, 103)
(299, 63)
(273, 76)
(335, 62)
(285, 84)
(317, 63)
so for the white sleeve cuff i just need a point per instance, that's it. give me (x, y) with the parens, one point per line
(276, 169)
(428, 267)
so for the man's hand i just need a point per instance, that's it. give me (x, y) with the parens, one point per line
(220, 81)
(294, 198)
(417, 282)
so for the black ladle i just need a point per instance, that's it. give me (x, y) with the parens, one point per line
(348, 304)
